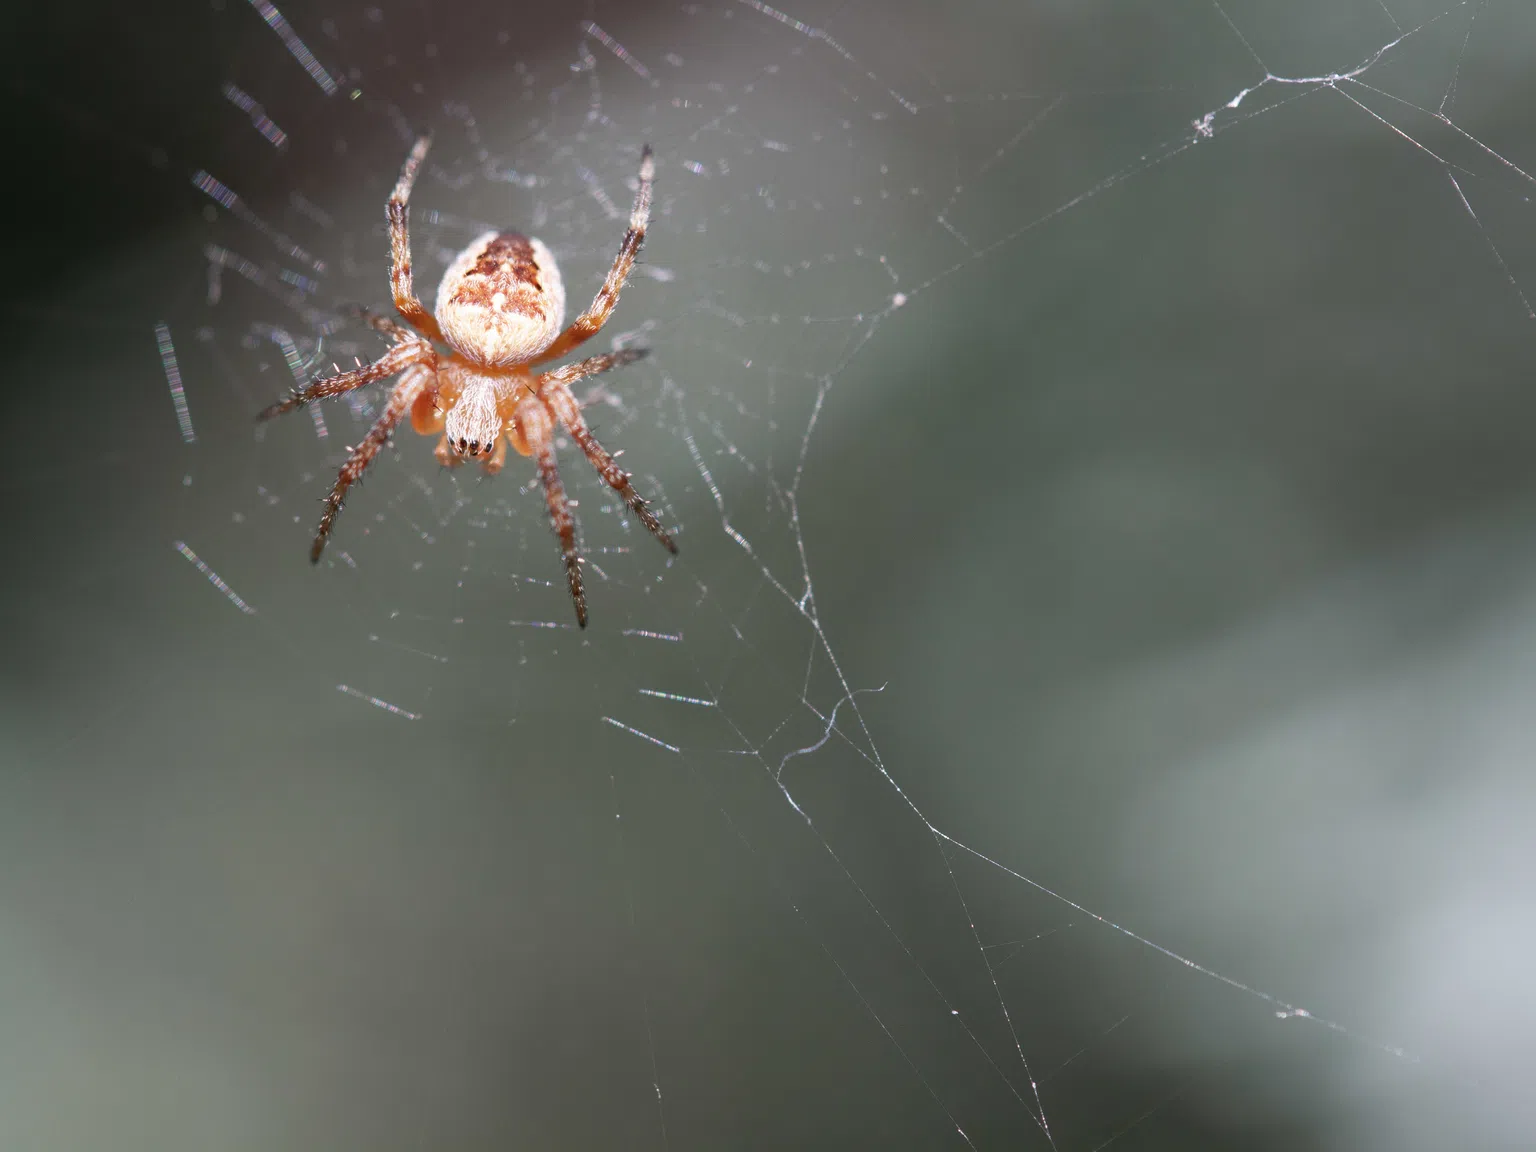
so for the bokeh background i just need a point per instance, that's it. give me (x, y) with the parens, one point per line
(1091, 706)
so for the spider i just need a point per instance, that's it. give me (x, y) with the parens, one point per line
(500, 308)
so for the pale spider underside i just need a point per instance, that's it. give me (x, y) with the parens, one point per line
(500, 308)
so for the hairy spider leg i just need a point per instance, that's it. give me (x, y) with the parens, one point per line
(397, 359)
(383, 324)
(590, 322)
(398, 212)
(553, 388)
(536, 430)
(412, 384)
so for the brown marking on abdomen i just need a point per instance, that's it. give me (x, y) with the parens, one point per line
(506, 265)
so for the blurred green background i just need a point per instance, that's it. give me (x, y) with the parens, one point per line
(1098, 439)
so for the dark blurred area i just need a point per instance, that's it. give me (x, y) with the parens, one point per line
(94, 122)
(1090, 707)
(114, 103)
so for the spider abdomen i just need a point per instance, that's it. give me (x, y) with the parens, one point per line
(502, 300)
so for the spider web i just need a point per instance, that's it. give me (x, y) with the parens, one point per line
(1000, 761)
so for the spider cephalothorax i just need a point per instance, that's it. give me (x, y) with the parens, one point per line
(500, 308)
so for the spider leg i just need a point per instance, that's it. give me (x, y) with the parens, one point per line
(553, 388)
(534, 425)
(568, 374)
(397, 359)
(587, 325)
(398, 211)
(411, 384)
(384, 324)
